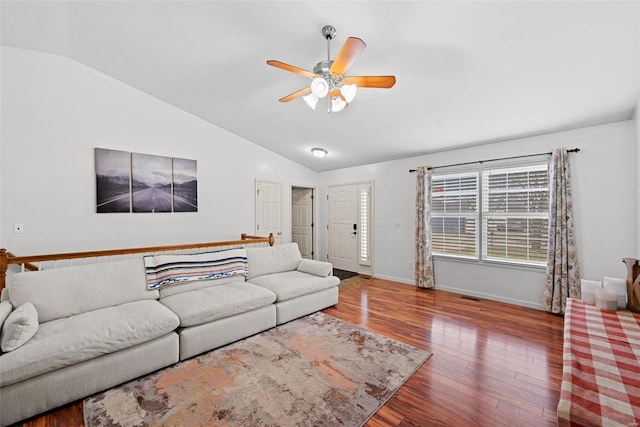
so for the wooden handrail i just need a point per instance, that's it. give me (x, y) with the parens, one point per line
(4, 264)
(271, 238)
(27, 265)
(7, 258)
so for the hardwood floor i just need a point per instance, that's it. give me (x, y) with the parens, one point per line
(493, 363)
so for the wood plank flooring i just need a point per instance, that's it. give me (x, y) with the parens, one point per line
(493, 364)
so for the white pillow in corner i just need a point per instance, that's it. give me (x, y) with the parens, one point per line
(21, 325)
(4, 296)
(5, 311)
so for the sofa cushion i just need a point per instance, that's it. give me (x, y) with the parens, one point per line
(19, 327)
(315, 267)
(72, 340)
(217, 302)
(200, 284)
(67, 291)
(165, 270)
(273, 259)
(292, 284)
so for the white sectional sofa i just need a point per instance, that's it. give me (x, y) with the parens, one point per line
(99, 325)
(315, 288)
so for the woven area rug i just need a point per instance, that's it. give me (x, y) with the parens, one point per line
(314, 371)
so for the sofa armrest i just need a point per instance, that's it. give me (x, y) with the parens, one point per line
(315, 267)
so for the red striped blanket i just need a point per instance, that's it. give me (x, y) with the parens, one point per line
(164, 270)
(601, 367)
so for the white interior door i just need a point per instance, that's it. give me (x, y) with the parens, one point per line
(302, 220)
(343, 227)
(269, 209)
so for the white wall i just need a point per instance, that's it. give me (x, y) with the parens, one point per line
(636, 181)
(55, 111)
(636, 169)
(603, 195)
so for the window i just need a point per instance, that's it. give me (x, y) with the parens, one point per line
(510, 203)
(454, 214)
(515, 214)
(364, 225)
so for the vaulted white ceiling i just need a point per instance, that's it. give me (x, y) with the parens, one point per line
(467, 72)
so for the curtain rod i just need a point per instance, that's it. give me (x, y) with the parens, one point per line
(573, 150)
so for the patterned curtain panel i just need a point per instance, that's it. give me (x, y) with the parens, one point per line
(563, 275)
(424, 261)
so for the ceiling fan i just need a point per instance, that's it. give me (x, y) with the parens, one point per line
(328, 79)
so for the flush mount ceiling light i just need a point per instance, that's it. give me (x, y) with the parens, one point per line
(319, 152)
(328, 79)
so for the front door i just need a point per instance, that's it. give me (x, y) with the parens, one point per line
(343, 227)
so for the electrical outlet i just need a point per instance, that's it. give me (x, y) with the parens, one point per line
(18, 228)
(410, 265)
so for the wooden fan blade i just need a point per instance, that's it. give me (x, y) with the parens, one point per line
(350, 51)
(384, 82)
(292, 68)
(295, 95)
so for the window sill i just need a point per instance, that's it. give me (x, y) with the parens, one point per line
(490, 263)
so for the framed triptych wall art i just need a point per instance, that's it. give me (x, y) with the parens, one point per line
(132, 182)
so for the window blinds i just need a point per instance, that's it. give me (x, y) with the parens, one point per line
(454, 214)
(515, 213)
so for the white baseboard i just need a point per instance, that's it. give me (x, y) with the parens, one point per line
(521, 303)
(529, 304)
(394, 279)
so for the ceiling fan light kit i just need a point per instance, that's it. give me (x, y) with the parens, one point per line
(328, 79)
(349, 92)
(319, 87)
(311, 100)
(337, 104)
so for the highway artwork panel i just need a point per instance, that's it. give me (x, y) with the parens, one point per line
(150, 183)
(185, 185)
(133, 182)
(113, 176)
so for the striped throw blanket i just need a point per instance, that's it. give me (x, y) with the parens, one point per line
(164, 270)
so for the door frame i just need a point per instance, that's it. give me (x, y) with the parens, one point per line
(314, 215)
(367, 269)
